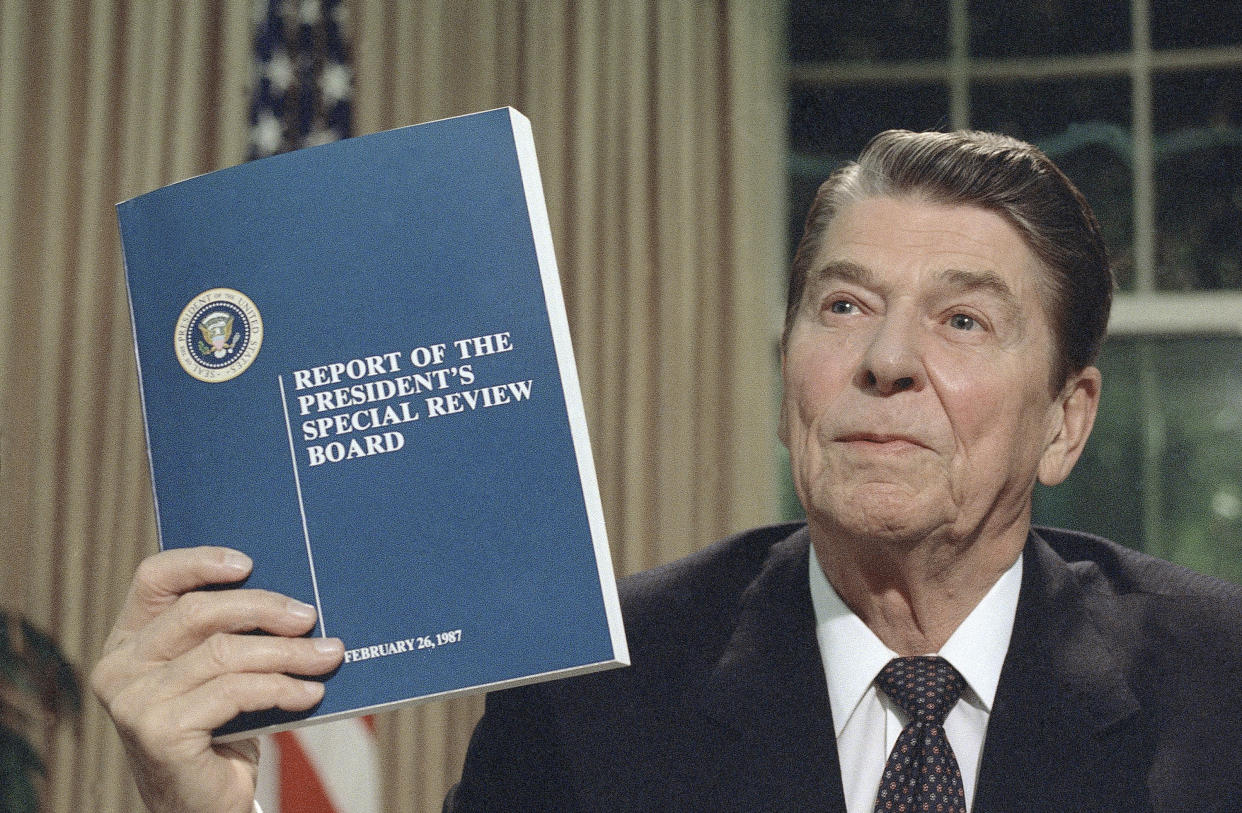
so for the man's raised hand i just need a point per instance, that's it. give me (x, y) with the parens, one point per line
(179, 663)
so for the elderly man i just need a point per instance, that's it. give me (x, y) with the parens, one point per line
(915, 645)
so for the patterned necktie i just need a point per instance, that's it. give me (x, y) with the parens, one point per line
(921, 772)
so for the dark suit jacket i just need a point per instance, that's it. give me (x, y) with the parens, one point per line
(1121, 691)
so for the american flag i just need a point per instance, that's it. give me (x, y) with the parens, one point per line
(327, 768)
(303, 84)
(302, 97)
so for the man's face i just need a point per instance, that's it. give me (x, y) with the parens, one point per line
(916, 374)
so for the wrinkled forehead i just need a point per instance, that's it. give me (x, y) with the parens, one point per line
(885, 240)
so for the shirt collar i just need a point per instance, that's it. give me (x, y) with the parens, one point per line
(853, 655)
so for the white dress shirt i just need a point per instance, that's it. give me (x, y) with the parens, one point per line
(867, 721)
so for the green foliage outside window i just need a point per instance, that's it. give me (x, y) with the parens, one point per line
(1162, 471)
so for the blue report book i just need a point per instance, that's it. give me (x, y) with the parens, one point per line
(355, 366)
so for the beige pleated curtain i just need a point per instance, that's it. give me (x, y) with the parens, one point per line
(660, 136)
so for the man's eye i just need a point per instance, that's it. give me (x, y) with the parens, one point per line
(961, 321)
(842, 306)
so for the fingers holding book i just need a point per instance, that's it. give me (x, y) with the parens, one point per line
(179, 663)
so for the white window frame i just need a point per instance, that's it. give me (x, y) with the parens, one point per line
(1193, 313)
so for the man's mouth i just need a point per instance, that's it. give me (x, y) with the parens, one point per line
(881, 440)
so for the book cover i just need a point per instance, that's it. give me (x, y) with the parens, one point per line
(355, 367)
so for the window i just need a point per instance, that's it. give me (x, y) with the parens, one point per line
(1140, 102)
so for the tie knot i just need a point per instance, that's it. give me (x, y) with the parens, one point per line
(925, 687)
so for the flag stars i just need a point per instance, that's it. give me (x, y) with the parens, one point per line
(304, 83)
(320, 136)
(279, 70)
(308, 12)
(266, 134)
(334, 83)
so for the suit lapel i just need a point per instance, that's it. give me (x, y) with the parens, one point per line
(1063, 715)
(768, 688)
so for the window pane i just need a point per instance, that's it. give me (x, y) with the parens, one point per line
(829, 126)
(1195, 23)
(1003, 28)
(841, 120)
(1083, 125)
(1163, 469)
(844, 30)
(1198, 122)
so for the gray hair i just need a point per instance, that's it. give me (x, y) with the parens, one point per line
(1002, 175)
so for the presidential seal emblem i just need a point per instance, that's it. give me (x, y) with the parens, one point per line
(218, 335)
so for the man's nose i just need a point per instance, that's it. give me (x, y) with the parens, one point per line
(892, 362)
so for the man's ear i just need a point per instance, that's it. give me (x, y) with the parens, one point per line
(1074, 415)
(782, 426)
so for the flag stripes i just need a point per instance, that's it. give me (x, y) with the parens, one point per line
(327, 768)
